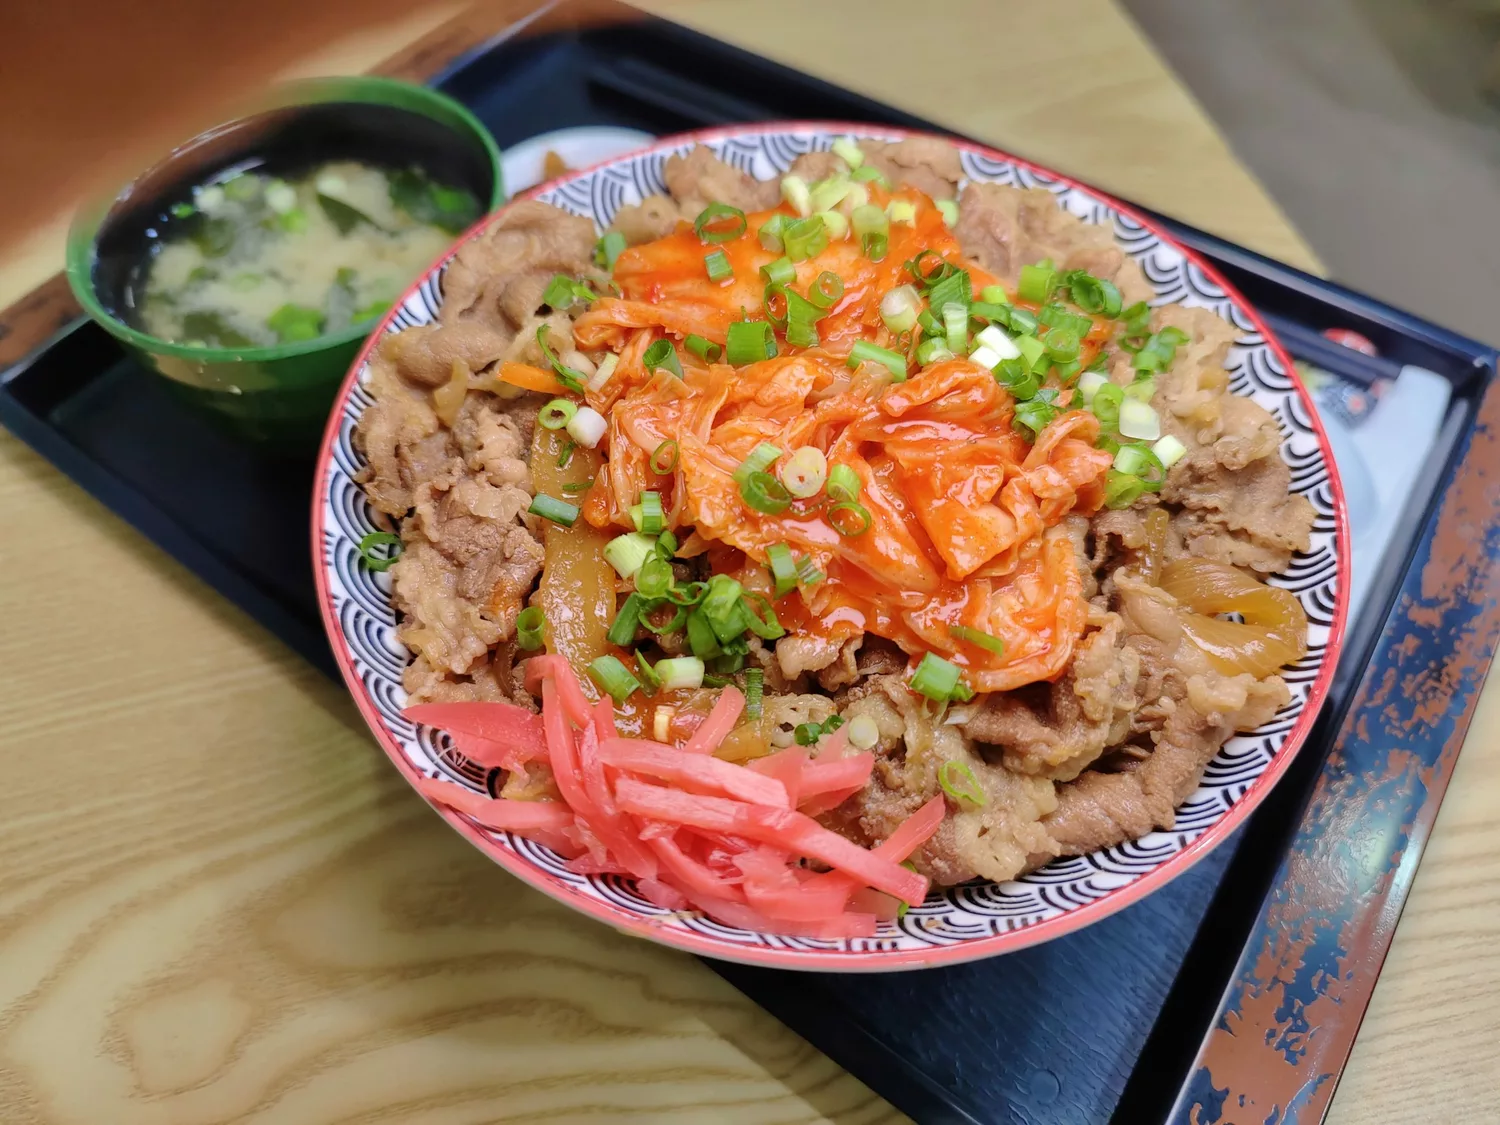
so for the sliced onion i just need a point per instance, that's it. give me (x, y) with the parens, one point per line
(1138, 420)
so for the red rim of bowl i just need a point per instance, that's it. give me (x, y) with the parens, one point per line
(842, 960)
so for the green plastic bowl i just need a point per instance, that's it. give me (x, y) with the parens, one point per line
(281, 394)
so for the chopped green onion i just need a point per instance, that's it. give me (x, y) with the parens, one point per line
(1158, 352)
(567, 452)
(601, 376)
(627, 621)
(847, 151)
(654, 578)
(868, 173)
(666, 545)
(850, 518)
(987, 641)
(1106, 406)
(770, 233)
(807, 572)
(805, 238)
(587, 427)
(1023, 322)
(1142, 390)
(380, 562)
(866, 352)
(806, 734)
(760, 459)
(706, 350)
(929, 324)
(1057, 316)
(750, 341)
(671, 625)
(1031, 349)
(754, 692)
(577, 486)
(1062, 344)
(662, 354)
(804, 472)
(680, 672)
(711, 225)
(718, 266)
(1094, 295)
(902, 211)
(783, 568)
(932, 350)
(1169, 451)
(1138, 420)
(651, 513)
(613, 678)
(773, 303)
(1088, 385)
(1065, 373)
(956, 326)
(995, 314)
(627, 552)
(765, 493)
(958, 781)
(608, 249)
(556, 414)
(954, 288)
(569, 377)
(1121, 489)
(899, 308)
(948, 209)
(826, 289)
(795, 191)
(529, 625)
(650, 681)
(872, 228)
(759, 616)
(562, 291)
(801, 311)
(721, 607)
(664, 458)
(701, 638)
(843, 485)
(994, 295)
(551, 508)
(828, 194)
(779, 272)
(1020, 380)
(835, 223)
(935, 678)
(1036, 413)
(1140, 461)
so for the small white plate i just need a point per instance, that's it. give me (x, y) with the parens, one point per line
(583, 147)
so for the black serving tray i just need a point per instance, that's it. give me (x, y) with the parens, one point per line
(1102, 1025)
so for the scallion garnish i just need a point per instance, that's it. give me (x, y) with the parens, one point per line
(529, 625)
(770, 233)
(650, 681)
(651, 513)
(613, 678)
(551, 508)
(717, 264)
(1140, 460)
(569, 377)
(754, 692)
(948, 209)
(1036, 284)
(654, 578)
(808, 573)
(608, 249)
(935, 678)
(759, 616)
(719, 222)
(872, 227)
(866, 352)
(664, 458)
(706, 350)
(826, 289)
(850, 518)
(556, 414)
(1018, 378)
(779, 272)
(1023, 322)
(1057, 316)
(783, 568)
(721, 607)
(1121, 489)
(567, 453)
(843, 484)
(680, 672)
(1061, 344)
(805, 238)
(986, 641)
(958, 781)
(1037, 412)
(622, 631)
(662, 354)
(384, 561)
(1093, 295)
(765, 493)
(804, 472)
(954, 288)
(868, 173)
(900, 309)
(573, 487)
(1106, 406)
(760, 459)
(562, 291)
(955, 326)
(750, 341)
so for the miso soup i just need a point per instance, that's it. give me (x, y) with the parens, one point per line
(256, 260)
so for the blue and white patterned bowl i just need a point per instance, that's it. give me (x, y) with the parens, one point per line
(962, 923)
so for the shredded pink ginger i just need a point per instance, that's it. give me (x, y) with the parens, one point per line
(694, 831)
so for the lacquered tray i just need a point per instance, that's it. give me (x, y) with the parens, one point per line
(1233, 994)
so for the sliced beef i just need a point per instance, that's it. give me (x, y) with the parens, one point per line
(701, 178)
(654, 217)
(925, 163)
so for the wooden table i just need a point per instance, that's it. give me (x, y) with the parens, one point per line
(238, 912)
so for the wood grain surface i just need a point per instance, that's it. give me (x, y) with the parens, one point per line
(217, 901)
